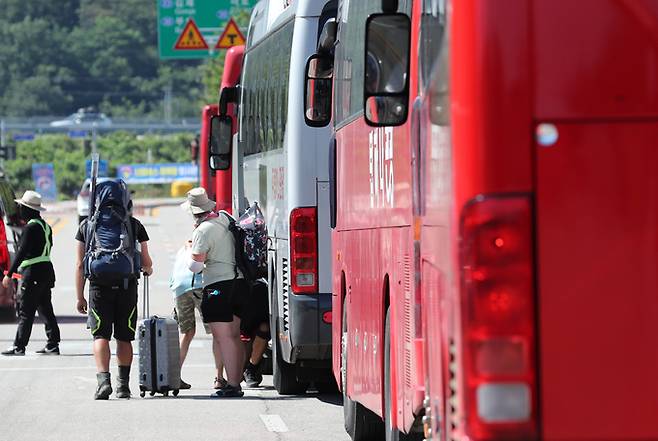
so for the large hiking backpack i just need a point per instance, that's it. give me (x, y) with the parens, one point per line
(250, 234)
(110, 252)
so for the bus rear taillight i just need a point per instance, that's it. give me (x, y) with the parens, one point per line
(304, 250)
(498, 319)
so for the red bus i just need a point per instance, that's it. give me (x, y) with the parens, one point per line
(532, 179)
(218, 183)
(206, 176)
(230, 79)
(538, 196)
(377, 328)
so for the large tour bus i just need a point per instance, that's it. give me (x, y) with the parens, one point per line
(218, 183)
(206, 175)
(377, 328)
(281, 162)
(524, 157)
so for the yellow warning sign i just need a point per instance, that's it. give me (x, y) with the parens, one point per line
(190, 38)
(230, 37)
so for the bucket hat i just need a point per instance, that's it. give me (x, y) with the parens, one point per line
(198, 201)
(31, 199)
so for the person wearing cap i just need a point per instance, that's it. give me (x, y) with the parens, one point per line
(225, 292)
(32, 264)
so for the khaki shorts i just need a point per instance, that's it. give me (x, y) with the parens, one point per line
(184, 311)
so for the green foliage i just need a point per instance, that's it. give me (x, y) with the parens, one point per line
(58, 56)
(69, 158)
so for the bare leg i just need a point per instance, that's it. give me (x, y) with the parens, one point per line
(228, 336)
(124, 353)
(259, 345)
(185, 345)
(102, 354)
(217, 353)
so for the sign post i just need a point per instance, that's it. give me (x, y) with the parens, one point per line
(189, 29)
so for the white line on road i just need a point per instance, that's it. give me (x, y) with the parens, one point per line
(80, 368)
(85, 379)
(274, 423)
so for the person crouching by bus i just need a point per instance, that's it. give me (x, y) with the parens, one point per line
(225, 291)
(256, 327)
(187, 288)
(37, 274)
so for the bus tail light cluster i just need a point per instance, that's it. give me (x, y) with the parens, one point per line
(304, 250)
(498, 319)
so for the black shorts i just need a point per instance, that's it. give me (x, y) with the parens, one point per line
(258, 309)
(222, 300)
(113, 307)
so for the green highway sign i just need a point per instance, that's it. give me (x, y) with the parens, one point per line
(190, 29)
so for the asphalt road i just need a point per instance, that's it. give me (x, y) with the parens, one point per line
(50, 397)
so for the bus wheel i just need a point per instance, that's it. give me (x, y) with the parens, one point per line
(284, 375)
(392, 433)
(361, 424)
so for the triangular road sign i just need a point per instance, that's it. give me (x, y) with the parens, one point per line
(190, 38)
(230, 37)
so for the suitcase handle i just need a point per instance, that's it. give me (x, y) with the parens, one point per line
(146, 307)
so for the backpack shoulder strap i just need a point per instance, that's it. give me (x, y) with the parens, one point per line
(231, 227)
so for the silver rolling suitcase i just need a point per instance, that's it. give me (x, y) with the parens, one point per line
(159, 352)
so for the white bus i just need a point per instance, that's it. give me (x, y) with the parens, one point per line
(281, 161)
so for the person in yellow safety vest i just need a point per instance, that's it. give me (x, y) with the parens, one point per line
(37, 277)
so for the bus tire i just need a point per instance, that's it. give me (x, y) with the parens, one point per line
(361, 424)
(284, 374)
(392, 433)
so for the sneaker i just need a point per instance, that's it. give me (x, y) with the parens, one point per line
(252, 376)
(229, 392)
(185, 385)
(220, 383)
(49, 351)
(14, 350)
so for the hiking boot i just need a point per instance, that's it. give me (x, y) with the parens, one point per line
(220, 383)
(104, 389)
(49, 350)
(184, 385)
(123, 388)
(229, 392)
(252, 376)
(14, 350)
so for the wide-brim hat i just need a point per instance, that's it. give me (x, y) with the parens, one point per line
(198, 201)
(31, 199)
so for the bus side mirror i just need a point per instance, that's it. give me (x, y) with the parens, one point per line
(386, 82)
(319, 77)
(221, 138)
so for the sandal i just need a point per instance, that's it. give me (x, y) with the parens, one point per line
(229, 392)
(220, 383)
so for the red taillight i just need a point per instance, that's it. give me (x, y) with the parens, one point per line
(498, 312)
(304, 250)
(327, 317)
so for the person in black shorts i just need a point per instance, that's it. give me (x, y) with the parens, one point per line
(225, 292)
(112, 310)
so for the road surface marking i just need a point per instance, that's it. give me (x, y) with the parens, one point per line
(76, 368)
(274, 423)
(85, 379)
(59, 223)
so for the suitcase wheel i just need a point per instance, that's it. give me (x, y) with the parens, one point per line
(166, 393)
(142, 394)
(152, 393)
(175, 392)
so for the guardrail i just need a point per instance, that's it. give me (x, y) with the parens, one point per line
(42, 125)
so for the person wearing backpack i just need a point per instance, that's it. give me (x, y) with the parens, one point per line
(109, 257)
(32, 264)
(225, 291)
